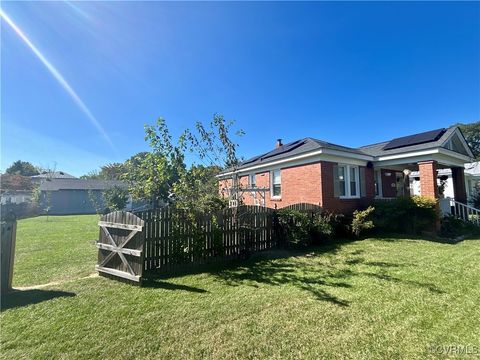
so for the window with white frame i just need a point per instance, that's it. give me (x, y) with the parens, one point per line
(348, 180)
(276, 183)
(252, 180)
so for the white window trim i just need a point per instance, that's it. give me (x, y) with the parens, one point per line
(250, 177)
(276, 197)
(250, 185)
(347, 181)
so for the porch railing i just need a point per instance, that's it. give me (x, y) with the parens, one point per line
(464, 212)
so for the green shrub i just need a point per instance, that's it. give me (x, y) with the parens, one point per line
(451, 228)
(295, 227)
(476, 196)
(300, 229)
(362, 220)
(115, 198)
(410, 215)
(322, 226)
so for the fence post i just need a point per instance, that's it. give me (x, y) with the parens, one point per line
(9, 230)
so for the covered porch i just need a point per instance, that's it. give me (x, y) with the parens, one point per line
(392, 177)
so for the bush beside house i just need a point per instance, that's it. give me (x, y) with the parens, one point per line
(408, 215)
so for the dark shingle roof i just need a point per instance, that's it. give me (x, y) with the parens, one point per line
(295, 148)
(79, 184)
(374, 150)
(379, 149)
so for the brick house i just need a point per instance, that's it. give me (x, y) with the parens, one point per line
(343, 179)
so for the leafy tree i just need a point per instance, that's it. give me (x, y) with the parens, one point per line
(151, 175)
(198, 189)
(115, 198)
(472, 135)
(94, 174)
(162, 175)
(15, 182)
(214, 145)
(23, 168)
(113, 171)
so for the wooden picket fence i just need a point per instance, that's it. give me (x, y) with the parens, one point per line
(304, 207)
(132, 245)
(173, 239)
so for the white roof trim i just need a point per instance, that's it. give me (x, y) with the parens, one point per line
(439, 153)
(462, 140)
(313, 156)
(407, 155)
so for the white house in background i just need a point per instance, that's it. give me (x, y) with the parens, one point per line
(15, 197)
(472, 177)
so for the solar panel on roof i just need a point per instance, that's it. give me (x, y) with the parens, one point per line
(416, 139)
(283, 149)
(252, 160)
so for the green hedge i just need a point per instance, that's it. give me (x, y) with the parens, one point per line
(301, 229)
(408, 215)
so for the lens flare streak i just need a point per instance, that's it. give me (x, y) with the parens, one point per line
(56, 74)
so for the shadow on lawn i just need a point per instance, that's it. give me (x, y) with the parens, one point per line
(316, 273)
(315, 270)
(156, 284)
(19, 298)
(294, 268)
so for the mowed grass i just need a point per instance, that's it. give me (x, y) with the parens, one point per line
(370, 299)
(54, 249)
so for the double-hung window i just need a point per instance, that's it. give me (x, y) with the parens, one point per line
(252, 181)
(348, 181)
(276, 183)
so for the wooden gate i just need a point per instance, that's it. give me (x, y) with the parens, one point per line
(120, 245)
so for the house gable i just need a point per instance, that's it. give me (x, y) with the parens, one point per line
(457, 143)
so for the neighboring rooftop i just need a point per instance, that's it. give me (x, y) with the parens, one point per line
(79, 184)
(53, 175)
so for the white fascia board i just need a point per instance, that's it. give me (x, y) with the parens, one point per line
(407, 155)
(346, 154)
(314, 156)
(447, 158)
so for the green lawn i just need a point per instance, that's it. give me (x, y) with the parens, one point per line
(54, 249)
(370, 299)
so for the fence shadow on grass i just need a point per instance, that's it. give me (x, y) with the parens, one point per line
(290, 267)
(157, 284)
(318, 277)
(20, 298)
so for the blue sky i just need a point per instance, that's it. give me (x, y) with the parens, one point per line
(348, 73)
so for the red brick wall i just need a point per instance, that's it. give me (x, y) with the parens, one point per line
(311, 183)
(335, 204)
(428, 179)
(299, 184)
